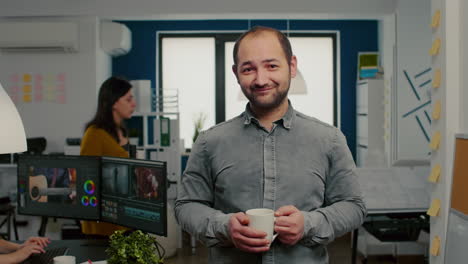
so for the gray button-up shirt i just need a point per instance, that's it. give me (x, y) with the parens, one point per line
(238, 165)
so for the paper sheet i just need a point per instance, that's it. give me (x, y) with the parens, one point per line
(435, 246)
(436, 111)
(436, 19)
(435, 208)
(435, 47)
(393, 188)
(436, 78)
(435, 174)
(435, 141)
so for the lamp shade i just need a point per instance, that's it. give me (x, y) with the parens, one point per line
(298, 84)
(12, 135)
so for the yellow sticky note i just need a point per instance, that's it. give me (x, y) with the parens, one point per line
(436, 79)
(435, 208)
(27, 77)
(436, 110)
(27, 88)
(435, 141)
(435, 47)
(435, 173)
(435, 246)
(436, 19)
(27, 98)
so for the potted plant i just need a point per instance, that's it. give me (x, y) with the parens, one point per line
(134, 247)
(198, 123)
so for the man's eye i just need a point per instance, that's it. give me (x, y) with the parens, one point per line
(247, 70)
(273, 66)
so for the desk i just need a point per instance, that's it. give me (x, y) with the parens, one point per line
(403, 216)
(9, 211)
(396, 191)
(83, 249)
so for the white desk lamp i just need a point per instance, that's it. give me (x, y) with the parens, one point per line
(12, 135)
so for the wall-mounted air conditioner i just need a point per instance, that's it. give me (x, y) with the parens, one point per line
(116, 38)
(38, 37)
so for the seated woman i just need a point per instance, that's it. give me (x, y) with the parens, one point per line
(106, 135)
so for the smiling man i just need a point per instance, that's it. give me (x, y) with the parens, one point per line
(270, 156)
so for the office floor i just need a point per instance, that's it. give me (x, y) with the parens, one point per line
(339, 251)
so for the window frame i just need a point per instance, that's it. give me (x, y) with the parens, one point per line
(227, 36)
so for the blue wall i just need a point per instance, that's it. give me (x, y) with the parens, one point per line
(355, 36)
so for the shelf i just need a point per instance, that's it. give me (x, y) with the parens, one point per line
(136, 114)
(6, 165)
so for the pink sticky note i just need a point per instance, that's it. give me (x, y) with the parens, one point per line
(61, 98)
(61, 76)
(14, 89)
(14, 98)
(14, 78)
(38, 97)
(38, 87)
(38, 78)
(61, 87)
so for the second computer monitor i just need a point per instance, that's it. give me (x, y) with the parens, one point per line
(134, 194)
(59, 186)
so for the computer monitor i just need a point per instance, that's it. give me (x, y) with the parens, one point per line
(59, 186)
(134, 194)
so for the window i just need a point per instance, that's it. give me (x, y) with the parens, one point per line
(189, 63)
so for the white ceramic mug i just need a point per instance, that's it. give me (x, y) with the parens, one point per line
(65, 260)
(262, 219)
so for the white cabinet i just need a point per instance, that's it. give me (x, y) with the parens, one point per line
(160, 140)
(370, 123)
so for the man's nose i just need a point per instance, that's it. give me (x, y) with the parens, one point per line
(261, 78)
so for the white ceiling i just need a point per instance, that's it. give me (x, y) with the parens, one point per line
(167, 9)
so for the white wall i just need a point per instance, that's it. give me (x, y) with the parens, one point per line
(450, 92)
(387, 38)
(84, 70)
(413, 40)
(464, 66)
(193, 9)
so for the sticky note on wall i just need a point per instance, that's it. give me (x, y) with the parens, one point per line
(435, 208)
(435, 173)
(436, 79)
(435, 246)
(435, 141)
(436, 19)
(435, 47)
(436, 110)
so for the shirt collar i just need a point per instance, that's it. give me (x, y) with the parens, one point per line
(286, 120)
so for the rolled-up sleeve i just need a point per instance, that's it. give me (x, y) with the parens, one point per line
(193, 207)
(344, 208)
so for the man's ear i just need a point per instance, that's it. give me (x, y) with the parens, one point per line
(293, 66)
(234, 70)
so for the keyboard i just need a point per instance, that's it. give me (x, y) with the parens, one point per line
(47, 257)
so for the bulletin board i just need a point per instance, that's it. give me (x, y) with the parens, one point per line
(457, 228)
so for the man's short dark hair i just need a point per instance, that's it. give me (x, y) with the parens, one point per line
(284, 41)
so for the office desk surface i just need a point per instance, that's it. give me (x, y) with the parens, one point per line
(83, 249)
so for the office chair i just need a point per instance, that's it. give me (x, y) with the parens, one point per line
(8, 210)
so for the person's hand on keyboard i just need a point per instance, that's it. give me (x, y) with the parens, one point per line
(40, 241)
(24, 253)
(16, 253)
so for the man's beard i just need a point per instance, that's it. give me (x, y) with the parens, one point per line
(278, 98)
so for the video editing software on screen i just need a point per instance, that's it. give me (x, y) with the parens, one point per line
(134, 194)
(59, 186)
(126, 192)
